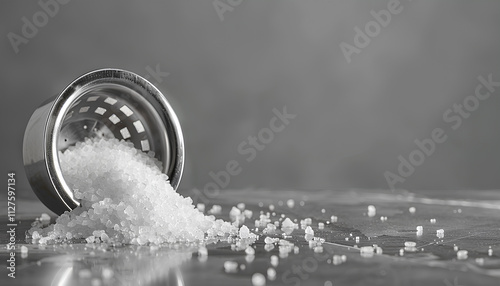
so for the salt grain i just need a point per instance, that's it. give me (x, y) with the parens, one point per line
(123, 192)
(440, 233)
(258, 279)
(372, 211)
(250, 250)
(462, 254)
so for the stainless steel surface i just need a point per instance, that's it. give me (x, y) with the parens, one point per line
(106, 103)
(475, 228)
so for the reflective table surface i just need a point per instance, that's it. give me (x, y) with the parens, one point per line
(470, 220)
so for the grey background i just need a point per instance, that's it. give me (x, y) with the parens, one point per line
(353, 120)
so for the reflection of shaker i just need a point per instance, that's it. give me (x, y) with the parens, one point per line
(108, 103)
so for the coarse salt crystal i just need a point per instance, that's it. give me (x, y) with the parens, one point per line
(107, 175)
(258, 279)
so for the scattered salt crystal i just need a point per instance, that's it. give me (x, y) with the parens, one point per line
(372, 211)
(401, 252)
(321, 225)
(410, 244)
(490, 251)
(440, 233)
(244, 232)
(247, 213)
(271, 208)
(250, 250)
(271, 273)
(216, 209)
(318, 249)
(433, 220)
(357, 239)
(201, 207)
(268, 247)
(290, 203)
(462, 254)
(383, 218)
(420, 228)
(44, 217)
(323, 211)
(230, 266)
(287, 223)
(258, 279)
(412, 210)
(333, 218)
(241, 206)
(234, 212)
(455, 247)
(309, 230)
(268, 240)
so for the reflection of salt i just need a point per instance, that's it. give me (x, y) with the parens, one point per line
(230, 266)
(274, 260)
(271, 273)
(309, 230)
